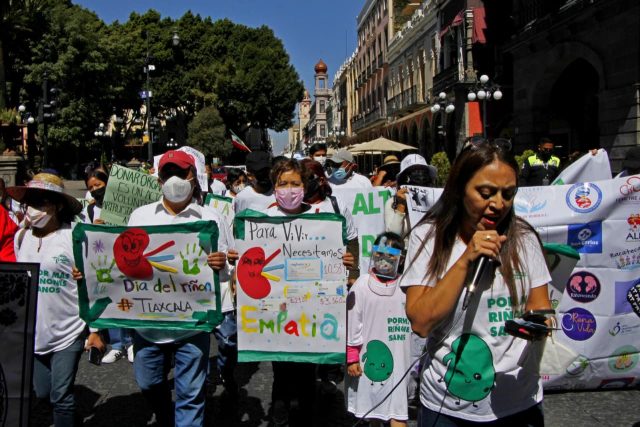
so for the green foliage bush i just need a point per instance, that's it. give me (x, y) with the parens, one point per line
(522, 157)
(441, 162)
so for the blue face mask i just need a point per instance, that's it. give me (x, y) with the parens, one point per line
(339, 175)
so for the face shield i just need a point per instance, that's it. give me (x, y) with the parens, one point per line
(385, 261)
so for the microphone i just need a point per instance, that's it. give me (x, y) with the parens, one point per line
(482, 263)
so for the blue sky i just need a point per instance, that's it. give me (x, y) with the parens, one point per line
(309, 29)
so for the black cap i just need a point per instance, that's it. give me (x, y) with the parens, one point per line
(257, 160)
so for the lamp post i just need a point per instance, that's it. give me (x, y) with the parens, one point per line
(337, 134)
(171, 144)
(100, 133)
(444, 106)
(484, 91)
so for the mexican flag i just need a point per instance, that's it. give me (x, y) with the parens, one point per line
(238, 143)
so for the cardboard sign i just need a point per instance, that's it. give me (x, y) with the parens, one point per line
(151, 277)
(223, 205)
(127, 190)
(291, 287)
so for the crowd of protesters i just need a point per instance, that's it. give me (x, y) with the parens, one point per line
(418, 272)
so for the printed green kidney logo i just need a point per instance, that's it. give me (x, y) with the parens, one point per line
(470, 374)
(377, 361)
(624, 359)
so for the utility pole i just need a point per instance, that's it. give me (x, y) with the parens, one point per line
(44, 104)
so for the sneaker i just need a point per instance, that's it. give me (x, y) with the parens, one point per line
(130, 354)
(112, 356)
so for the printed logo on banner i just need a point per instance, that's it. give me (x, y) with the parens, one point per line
(617, 383)
(624, 359)
(634, 228)
(530, 202)
(629, 259)
(630, 191)
(623, 329)
(586, 238)
(584, 197)
(583, 287)
(579, 324)
(621, 304)
(578, 366)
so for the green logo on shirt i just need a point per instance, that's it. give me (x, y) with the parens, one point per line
(470, 374)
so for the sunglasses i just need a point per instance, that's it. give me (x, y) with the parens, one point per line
(478, 141)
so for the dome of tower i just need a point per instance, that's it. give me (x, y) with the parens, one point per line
(321, 67)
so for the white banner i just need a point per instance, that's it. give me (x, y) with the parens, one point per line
(587, 168)
(367, 209)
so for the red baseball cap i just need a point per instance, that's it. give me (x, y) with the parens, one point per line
(178, 158)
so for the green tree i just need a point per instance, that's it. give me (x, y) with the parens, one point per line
(207, 134)
(522, 157)
(442, 164)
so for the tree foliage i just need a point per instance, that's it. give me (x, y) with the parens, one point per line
(441, 162)
(207, 134)
(245, 73)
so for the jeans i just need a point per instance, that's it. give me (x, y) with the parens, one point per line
(120, 338)
(151, 367)
(54, 375)
(532, 417)
(227, 336)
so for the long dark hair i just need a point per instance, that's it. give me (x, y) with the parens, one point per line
(446, 218)
(286, 166)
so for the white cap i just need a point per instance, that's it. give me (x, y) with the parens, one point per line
(413, 161)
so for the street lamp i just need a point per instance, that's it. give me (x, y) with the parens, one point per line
(172, 144)
(337, 134)
(100, 133)
(445, 107)
(484, 91)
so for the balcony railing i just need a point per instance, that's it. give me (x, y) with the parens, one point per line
(406, 101)
(366, 119)
(445, 79)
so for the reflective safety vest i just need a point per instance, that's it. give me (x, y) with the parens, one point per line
(535, 161)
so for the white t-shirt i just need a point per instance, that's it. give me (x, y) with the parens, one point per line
(496, 374)
(249, 199)
(327, 206)
(58, 323)
(157, 214)
(377, 321)
(354, 181)
(218, 188)
(85, 213)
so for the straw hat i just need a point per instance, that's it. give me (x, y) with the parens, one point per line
(40, 186)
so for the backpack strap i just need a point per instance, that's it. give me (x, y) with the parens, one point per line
(90, 211)
(334, 203)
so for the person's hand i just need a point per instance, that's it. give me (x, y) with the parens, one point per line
(401, 195)
(390, 184)
(217, 260)
(348, 260)
(76, 274)
(232, 256)
(354, 369)
(94, 340)
(99, 221)
(487, 243)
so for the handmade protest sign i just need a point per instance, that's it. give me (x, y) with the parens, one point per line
(291, 287)
(223, 205)
(151, 277)
(419, 201)
(127, 190)
(18, 297)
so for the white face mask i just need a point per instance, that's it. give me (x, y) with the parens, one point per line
(320, 159)
(177, 190)
(237, 188)
(38, 218)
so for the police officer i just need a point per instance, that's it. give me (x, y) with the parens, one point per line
(541, 168)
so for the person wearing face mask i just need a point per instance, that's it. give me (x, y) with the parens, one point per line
(259, 194)
(291, 380)
(96, 186)
(236, 182)
(318, 152)
(155, 349)
(378, 337)
(342, 172)
(60, 332)
(415, 171)
(541, 168)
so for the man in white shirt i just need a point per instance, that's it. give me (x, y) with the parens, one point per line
(341, 170)
(155, 349)
(259, 195)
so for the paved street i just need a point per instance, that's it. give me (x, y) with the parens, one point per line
(108, 397)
